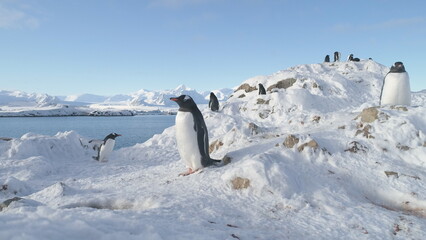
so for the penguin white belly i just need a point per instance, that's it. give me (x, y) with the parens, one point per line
(396, 89)
(186, 138)
(106, 150)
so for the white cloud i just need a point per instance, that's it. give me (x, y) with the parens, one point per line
(385, 25)
(11, 17)
(395, 23)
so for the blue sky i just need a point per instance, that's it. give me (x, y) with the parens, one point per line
(109, 47)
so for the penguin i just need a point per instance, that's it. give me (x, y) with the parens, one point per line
(327, 58)
(336, 56)
(262, 90)
(213, 103)
(191, 136)
(106, 147)
(396, 87)
(352, 59)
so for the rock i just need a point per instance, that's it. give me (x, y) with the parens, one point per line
(254, 129)
(215, 145)
(365, 131)
(369, 115)
(286, 83)
(261, 101)
(241, 96)
(6, 203)
(399, 108)
(290, 141)
(356, 147)
(247, 88)
(240, 183)
(226, 160)
(316, 119)
(391, 173)
(424, 144)
(313, 144)
(264, 114)
(402, 147)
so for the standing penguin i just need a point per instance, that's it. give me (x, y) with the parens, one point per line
(327, 58)
(262, 90)
(336, 56)
(106, 147)
(396, 87)
(191, 135)
(213, 103)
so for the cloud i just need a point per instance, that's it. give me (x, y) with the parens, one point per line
(395, 23)
(12, 17)
(385, 25)
(176, 3)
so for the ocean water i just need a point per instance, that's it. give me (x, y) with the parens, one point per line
(135, 129)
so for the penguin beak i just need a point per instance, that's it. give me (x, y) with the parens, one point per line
(174, 99)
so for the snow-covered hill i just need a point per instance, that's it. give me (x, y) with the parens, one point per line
(315, 158)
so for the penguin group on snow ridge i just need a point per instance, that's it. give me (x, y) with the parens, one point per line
(396, 87)
(105, 148)
(336, 57)
(192, 137)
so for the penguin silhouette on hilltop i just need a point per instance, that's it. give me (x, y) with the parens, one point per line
(262, 90)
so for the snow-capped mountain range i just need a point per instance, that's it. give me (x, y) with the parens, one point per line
(17, 103)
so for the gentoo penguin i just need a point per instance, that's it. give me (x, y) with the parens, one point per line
(106, 147)
(327, 58)
(262, 90)
(213, 103)
(396, 87)
(351, 58)
(336, 56)
(191, 135)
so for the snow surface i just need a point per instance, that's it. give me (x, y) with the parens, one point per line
(304, 165)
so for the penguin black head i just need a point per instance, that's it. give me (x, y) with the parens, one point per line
(185, 102)
(212, 94)
(112, 136)
(398, 67)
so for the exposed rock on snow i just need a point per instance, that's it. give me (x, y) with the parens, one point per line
(290, 141)
(240, 183)
(283, 84)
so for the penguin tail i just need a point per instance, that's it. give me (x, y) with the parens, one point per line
(222, 162)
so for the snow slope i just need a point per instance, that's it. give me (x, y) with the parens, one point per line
(306, 163)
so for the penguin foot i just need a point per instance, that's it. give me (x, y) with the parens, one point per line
(190, 171)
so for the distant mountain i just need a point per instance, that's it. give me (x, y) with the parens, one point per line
(140, 98)
(86, 98)
(162, 98)
(18, 99)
